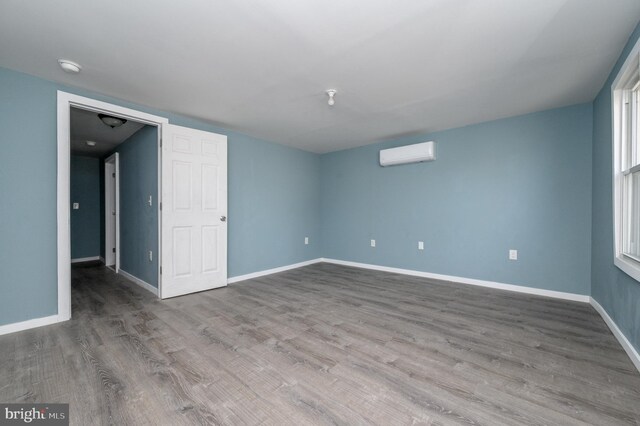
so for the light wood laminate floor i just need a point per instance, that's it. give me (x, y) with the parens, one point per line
(323, 344)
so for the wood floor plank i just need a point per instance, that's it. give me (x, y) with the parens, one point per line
(323, 344)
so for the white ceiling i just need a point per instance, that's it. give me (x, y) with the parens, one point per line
(261, 67)
(86, 126)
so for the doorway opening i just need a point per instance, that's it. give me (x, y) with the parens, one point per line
(100, 143)
(100, 155)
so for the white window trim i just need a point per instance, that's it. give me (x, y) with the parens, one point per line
(625, 263)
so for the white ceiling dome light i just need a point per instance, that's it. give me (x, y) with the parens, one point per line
(331, 93)
(69, 66)
(91, 143)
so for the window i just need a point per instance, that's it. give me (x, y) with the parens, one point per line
(626, 165)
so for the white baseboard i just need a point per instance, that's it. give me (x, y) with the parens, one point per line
(85, 259)
(271, 271)
(139, 282)
(626, 344)
(471, 281)
(32, 323)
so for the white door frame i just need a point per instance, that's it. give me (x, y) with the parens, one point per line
(65, 102)
(112, 207)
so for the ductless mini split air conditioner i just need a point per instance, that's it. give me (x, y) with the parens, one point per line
(415, 153)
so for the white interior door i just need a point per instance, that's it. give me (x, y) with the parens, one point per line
(112, 211)
(194, 211)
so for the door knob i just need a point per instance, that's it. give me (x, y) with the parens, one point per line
(223, 218)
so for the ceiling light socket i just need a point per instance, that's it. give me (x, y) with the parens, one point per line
(69, 66)
(331, 93)
(91, 143)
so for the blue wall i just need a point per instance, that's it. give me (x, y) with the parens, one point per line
(276, 182)
(138, 220)
(85, 222)
(618, 293)
(521, 183)
(28, 190)
(274, 192)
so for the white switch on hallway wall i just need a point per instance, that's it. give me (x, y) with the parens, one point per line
(76, 206)
(420, 245)
(373, 243)
(513, 254)
(306, 240)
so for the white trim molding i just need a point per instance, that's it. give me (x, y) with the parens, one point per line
(85, 259)
(63, 198)
(252, 275)
(626, 344)
(111, 205)
(32, 323)
(139, 282)
(471, 281)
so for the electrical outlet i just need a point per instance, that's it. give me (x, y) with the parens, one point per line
(513, 254)
(420, 245)
(150, 256)
(76, 206)
(373, 243)
(306, 241)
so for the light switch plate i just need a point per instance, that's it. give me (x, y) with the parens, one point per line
(420, 245)
(373, 243)
(76, 206)
(513, 254)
